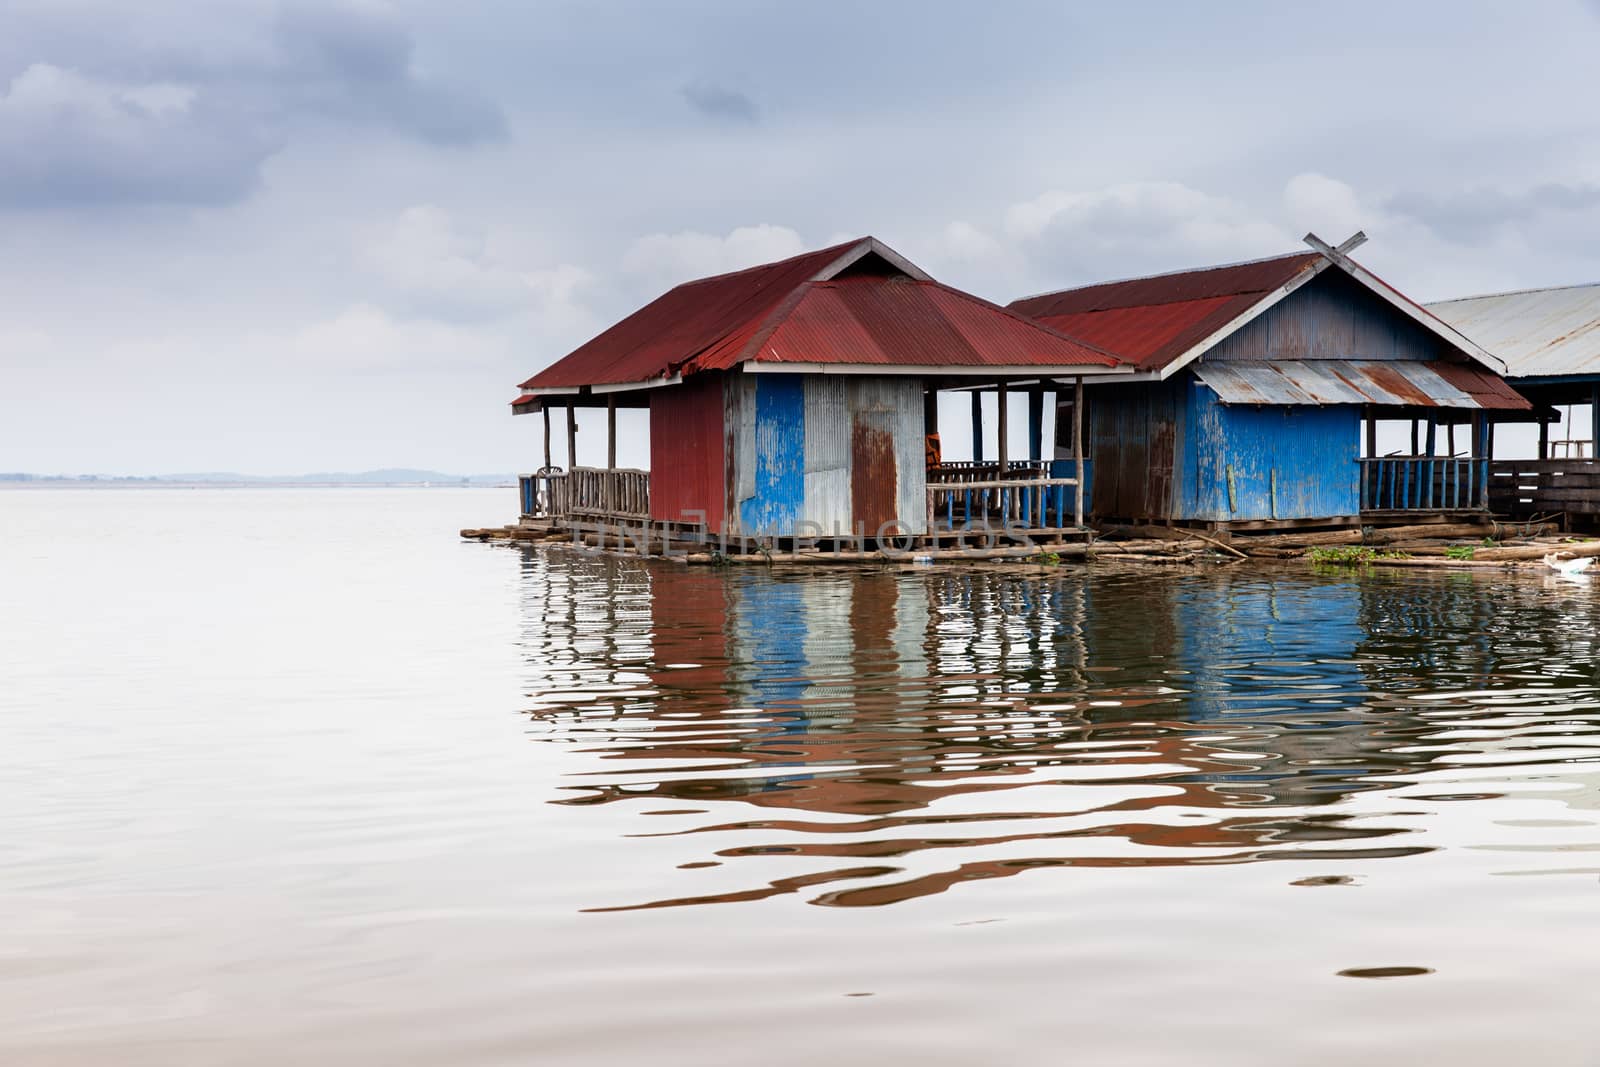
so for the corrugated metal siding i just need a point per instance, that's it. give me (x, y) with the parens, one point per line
(1133, 435)
(827, 454)
(1283, 462)
(817, 487)
(1539, 332)
(899, 402)
(777, 458)
(687, 452)
(1331, 317)
(1399, 383)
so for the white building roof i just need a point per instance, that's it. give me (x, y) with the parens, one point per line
(1538, 332)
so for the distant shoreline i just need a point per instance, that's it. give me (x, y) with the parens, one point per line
(142, 483)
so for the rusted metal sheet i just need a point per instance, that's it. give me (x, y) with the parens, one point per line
(1132, 436)
(873, 471)
(828, 307)
(1398, 383)
(684, 322)
(900, 401)
(887, 321)
(1538, 332)
(1153, 320)
(687, 453)
(795, 470)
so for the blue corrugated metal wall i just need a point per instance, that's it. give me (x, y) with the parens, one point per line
(780, 438)
(1283, 462)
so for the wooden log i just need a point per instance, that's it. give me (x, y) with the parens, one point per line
(1448, 564)
(1390, 534)
(1570, 550)
(1229, 550)
(1301, 540)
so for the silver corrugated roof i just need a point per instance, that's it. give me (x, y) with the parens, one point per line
(1398, 383)
(1538, 332)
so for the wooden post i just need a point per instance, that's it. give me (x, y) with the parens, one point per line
(545, 409)
(611, 432)
(1480, 459)
(1544, 439)
(1000, 424)
(1414, 446)
(1002, 451)
(1077, 447)
(1372, 434)
(1450, 439)
(608, 499)
(977, 426)
(572, 436)
(1426, 497)
(1594, 420)
(1036, 423)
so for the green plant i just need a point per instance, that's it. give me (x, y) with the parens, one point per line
(1047, 559)
(1351, 555)
(1459, 552)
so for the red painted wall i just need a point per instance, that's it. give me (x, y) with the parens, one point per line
(687, 459)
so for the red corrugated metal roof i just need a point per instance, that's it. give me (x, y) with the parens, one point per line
(797, 311)
(659, 338)
(892, 321)
(1154, 320)
(1488, 389)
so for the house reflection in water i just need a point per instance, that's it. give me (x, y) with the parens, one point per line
(948, 725)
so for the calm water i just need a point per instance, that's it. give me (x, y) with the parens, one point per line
(296, 777)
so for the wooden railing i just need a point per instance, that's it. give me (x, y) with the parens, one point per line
(586, 492)
(1423, 483)
(974, 493)
(1523, 488)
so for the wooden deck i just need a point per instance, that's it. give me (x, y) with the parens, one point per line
(1538, 488)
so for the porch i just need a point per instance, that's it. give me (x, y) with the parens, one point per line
(1528, 489)
(595, 493)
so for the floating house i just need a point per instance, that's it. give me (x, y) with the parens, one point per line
(1549, 340)
(795, 400)
(1258, 392)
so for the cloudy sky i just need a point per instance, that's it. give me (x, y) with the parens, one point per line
(280, 237)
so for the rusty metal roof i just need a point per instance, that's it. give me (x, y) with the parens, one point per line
(1152, 321)
(1389, 383)
(679, 325)
(889, 321)
(1538, 332)
(854, 303)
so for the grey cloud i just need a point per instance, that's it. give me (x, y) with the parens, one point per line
(68, 139)
(1469, 214)
(356, 64)
(81, 126)
(720, 102)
